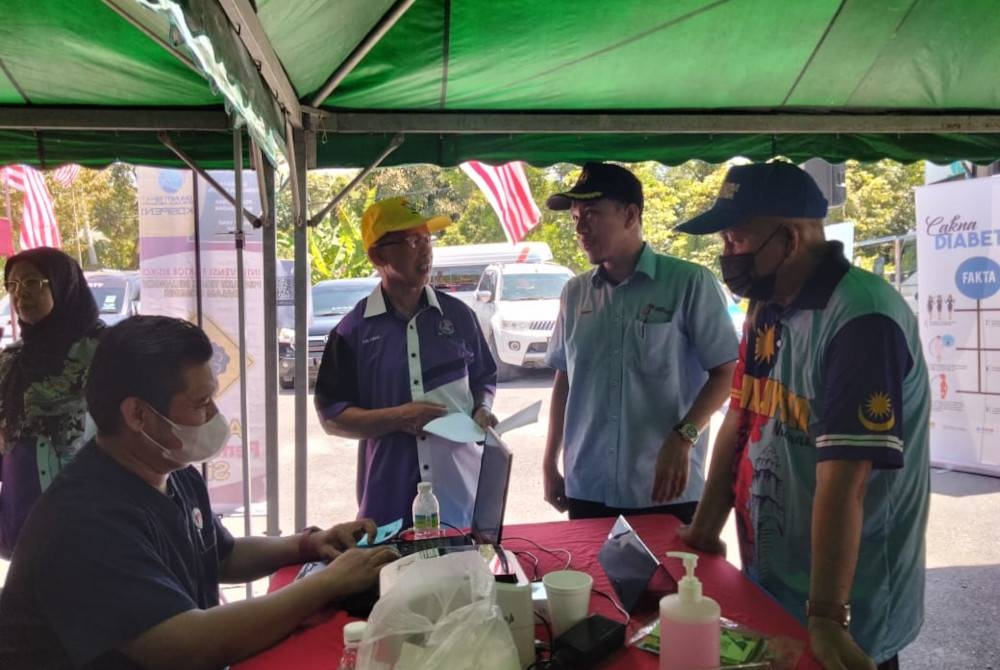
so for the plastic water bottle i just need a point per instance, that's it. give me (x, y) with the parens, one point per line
(353, 632)
(426, 511)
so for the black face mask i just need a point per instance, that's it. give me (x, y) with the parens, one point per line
(738, 274)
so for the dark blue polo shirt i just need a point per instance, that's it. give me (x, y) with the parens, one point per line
(103, 558)
(377, 359)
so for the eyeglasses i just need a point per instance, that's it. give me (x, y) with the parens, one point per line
(412, 241)
(33, 285)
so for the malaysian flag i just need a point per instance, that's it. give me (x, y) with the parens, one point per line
(66, 175)
(506, 188)
(38, 227)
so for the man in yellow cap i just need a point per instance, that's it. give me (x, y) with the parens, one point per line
(405, 355)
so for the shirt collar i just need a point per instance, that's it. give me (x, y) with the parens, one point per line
(821, 282)
(646, 265)
(377, 303)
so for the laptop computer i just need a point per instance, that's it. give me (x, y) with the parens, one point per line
(637, 576)
(490, 504)
(487, 527)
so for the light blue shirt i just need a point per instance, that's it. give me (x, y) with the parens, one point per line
(636, 355)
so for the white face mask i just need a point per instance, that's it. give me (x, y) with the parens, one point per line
(198, 443)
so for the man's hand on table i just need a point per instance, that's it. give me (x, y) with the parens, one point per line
(555, 488)
(834, 648)
(673, 466)
(355, 570)
(702, 541)
(330, 543)
(413, 416)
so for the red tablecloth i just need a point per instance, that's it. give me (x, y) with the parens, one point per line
(318, 647)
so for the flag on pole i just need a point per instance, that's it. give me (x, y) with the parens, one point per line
(66, 174)
(6, 238)
(506, 188)
(38, 226)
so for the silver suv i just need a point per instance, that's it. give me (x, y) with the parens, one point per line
(517, 305)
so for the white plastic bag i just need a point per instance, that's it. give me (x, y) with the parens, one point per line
(442, 613)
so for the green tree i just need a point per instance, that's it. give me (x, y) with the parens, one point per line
(107, 201)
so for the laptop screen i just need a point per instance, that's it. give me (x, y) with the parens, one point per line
(631, 566)
(491, 494)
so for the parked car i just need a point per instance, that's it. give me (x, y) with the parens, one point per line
(331, 300)
(116, 292)
(457, 270)
(517, 305)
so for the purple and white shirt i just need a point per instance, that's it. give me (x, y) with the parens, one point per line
(375, 359)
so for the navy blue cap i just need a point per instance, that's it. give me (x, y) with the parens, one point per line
(600, 180)
(760, 189)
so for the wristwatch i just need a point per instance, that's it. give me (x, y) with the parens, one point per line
(838, 612)
(688, 431)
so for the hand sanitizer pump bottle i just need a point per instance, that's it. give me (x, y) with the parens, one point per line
(689, 623)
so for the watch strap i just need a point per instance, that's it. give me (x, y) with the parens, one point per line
(838, 612)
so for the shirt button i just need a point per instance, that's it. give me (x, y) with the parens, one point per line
(416, 382)
(427, 467)
(413, 355)
(412, 326)
(423, 438)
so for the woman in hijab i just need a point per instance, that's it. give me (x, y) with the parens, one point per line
(43, 414)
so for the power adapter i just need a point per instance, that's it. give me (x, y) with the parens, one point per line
(588, 643)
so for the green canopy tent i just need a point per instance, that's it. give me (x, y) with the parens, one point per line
(330, 83)
(537, 81)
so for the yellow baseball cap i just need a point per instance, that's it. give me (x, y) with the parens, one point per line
(392, 215)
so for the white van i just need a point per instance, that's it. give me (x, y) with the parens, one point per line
(457, 270)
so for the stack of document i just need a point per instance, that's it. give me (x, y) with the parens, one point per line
(459, 427)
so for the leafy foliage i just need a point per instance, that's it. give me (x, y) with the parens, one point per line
(880, 201)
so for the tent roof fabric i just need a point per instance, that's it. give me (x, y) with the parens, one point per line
(690, 56)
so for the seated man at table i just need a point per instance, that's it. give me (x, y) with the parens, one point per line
(119, 564)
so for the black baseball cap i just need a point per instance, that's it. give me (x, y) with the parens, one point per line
(760, 189)
(600, 180)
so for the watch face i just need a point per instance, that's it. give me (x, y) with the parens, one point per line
(688, 431)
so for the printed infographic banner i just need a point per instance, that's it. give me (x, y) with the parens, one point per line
(958, 256)
(167, 263)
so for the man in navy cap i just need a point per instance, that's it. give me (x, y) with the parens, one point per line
(644, 352)
(824, 451)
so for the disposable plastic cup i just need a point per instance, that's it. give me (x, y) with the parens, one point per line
(568, 596)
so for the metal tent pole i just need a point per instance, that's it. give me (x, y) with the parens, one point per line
(297, 165)
(265, 175)
(168, 142)
(387, 21)
(394, 144)
(241, 300)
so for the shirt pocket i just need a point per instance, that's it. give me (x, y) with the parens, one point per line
(651, 347)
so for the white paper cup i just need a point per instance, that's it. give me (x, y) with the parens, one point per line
(568, 596)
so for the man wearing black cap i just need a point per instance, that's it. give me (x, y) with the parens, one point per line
(824, 451)
(644, 352)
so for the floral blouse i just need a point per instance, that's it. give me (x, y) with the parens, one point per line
(54, 427)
